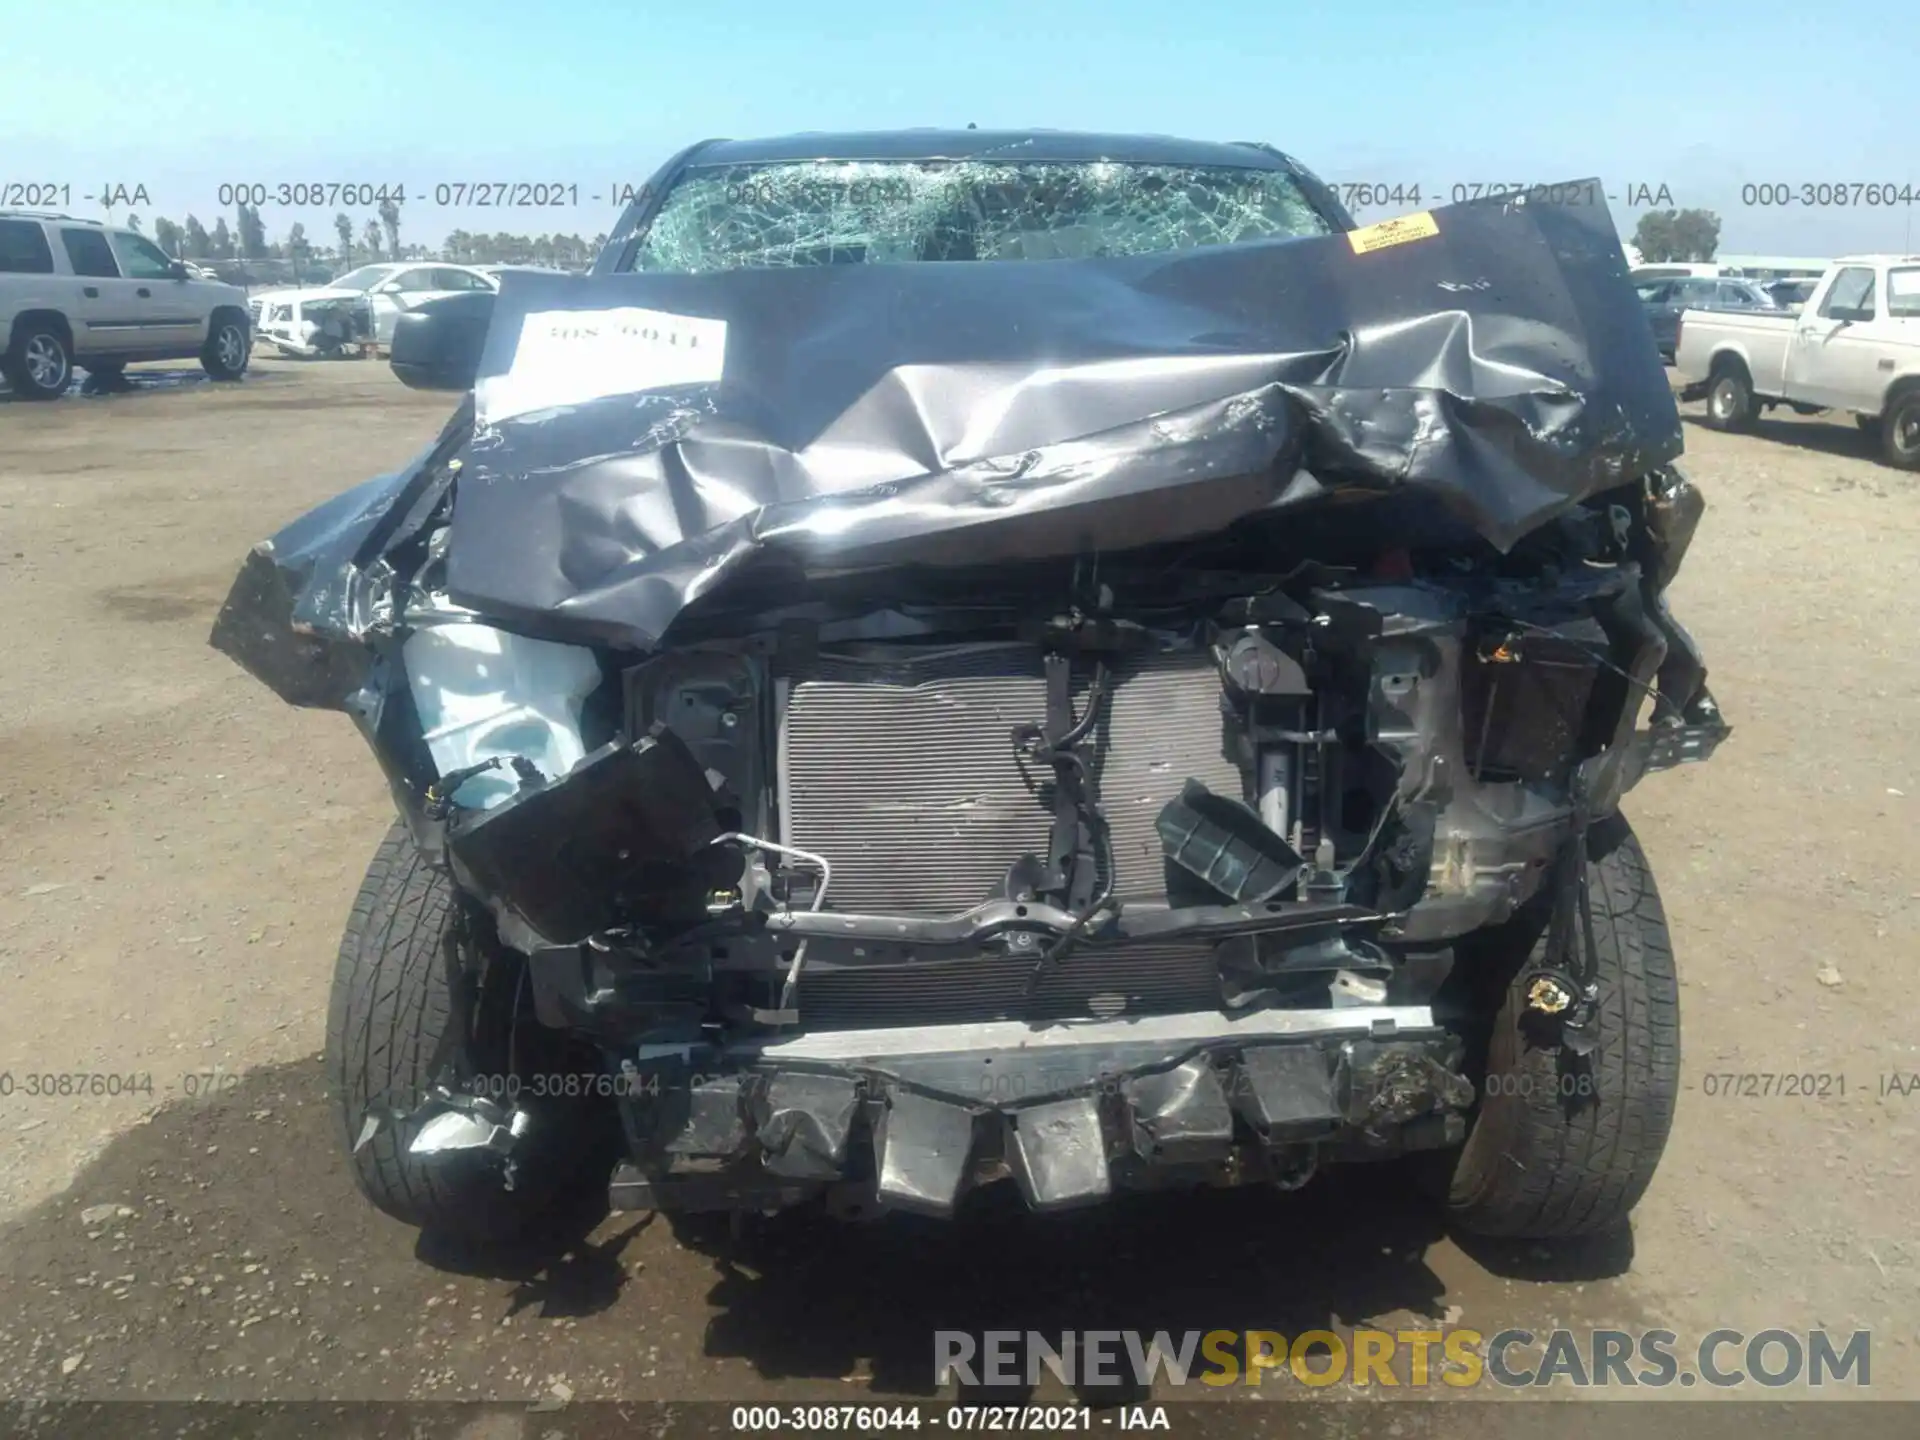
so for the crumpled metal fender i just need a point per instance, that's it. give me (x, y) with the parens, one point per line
(305, 603)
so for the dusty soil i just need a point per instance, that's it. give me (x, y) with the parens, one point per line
(181, 850)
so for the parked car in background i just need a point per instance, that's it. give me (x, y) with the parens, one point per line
(494, 272)
(1664, 300)
(1855, 345)
(77, 292)
(357, 308)
(1791, 294)
(315, 323)
(1677, 270)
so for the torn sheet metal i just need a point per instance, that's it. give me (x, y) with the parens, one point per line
(469, 1130)
(874, 417)
(305, 600)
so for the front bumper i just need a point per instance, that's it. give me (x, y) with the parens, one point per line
(287, 345)
(913, 1118)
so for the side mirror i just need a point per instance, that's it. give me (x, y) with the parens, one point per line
(437, 344)
(178, 269)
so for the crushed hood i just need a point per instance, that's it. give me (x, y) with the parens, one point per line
(637, 441)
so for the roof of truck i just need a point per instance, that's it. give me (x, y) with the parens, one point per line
(54, 215)
(935, 144)
(1880, 258)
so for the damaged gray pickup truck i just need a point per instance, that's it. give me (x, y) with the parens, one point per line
(953, 658)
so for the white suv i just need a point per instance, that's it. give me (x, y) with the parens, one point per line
(76, 292)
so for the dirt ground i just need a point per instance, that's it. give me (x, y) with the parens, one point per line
(180, 850)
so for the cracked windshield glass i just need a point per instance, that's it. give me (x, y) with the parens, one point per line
(866, 212)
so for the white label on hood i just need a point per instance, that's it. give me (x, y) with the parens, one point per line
(567, 356)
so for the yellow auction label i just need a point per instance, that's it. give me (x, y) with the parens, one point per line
(1397, 231)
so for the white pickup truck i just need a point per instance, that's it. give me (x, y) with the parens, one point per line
(1854, 345)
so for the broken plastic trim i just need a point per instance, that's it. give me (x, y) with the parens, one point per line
(629, 832)
(1225, 844)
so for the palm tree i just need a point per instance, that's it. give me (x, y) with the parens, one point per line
(390, 218)
(343, 227)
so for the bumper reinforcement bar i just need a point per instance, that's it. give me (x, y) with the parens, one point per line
(911, 1118)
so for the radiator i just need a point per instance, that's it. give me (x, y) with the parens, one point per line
(898, 766)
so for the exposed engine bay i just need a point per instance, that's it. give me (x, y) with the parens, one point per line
(1095, 801)
(313, 325)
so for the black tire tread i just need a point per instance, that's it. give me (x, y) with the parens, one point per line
(1888, 433)
(1535, 1166)
(388, 1018)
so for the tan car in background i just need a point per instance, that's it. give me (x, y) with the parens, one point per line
(80, 293)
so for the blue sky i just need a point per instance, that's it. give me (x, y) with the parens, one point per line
(184, 95)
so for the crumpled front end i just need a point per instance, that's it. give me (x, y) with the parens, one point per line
(312, 324)
(1096, 905)
(1055, 722)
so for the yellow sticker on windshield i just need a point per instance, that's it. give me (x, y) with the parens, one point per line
(1397, 231)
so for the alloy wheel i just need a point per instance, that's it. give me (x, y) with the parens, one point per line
(46, 363)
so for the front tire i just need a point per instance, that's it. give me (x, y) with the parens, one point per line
(392, 1028)
(1565, 1145)
(39, 363)
(229, 347)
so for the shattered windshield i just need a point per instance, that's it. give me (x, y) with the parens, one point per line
(821, 212)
